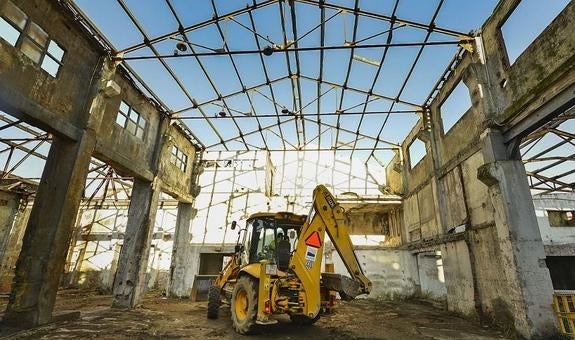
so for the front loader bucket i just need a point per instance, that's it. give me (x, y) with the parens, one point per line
(347, 288)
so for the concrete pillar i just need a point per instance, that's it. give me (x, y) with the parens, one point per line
(181, 276)
(9, 204)
(130, 283)
(521, 248)
(12, 250)
(48, 233)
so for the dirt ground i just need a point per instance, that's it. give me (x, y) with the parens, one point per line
(161, 318)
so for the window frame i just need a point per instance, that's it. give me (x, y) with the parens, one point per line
(178, 158)
(25, 37)
(139, 130)
(21, 30)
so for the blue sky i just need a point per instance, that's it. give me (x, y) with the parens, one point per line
(156, 20)
(155, 17)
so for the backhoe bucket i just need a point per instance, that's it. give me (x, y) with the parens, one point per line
(347, 288)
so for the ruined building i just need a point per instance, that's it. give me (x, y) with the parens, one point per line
(133, 134)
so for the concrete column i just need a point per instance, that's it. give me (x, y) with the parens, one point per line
(48, 233)
(181, 276)
(130, 283)
(9, 204)
(521, 248)
(12, 250)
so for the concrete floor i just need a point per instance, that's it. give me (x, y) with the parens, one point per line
(159, 317)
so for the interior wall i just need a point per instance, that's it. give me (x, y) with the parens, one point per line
(447, 205)
(393, 272)
(12, 235)
(554, 235)
(431, 275)
(9, 205)
(93, 259)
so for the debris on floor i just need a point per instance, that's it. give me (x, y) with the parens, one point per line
(159, 317)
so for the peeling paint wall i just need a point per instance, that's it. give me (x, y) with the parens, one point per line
(93, 260)
(393, 273)
(445, 204)
(9, 204)
(554, 235)
(65, 95)
(13, 239)
(431, 275)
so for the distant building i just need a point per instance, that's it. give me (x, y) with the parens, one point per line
(556, 219)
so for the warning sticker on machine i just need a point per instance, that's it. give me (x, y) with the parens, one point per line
(313, 240)
(310, 253)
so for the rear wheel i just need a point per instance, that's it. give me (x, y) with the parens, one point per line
(245, 305)
(214, 301)
(304, 320)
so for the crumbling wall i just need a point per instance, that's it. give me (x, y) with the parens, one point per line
(65, 94)
(393, 272)
(93, 259)
(458, 272)
(445, 204)
(13, 237)
(194, 255)
(9, 204)
(431, 275)
(554, 235)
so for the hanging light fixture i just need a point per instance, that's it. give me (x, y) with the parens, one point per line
(181, 46)
(268, 50)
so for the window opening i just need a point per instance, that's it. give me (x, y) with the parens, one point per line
(561, 218)
(53, 59)
(526, 23)
(179, 158)
(12, 23)
(455, 106)
(416, 151)
(31, 39)
(130, 120)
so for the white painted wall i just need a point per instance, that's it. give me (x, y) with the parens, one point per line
(393, 273)
(431, 277)
(560, 201)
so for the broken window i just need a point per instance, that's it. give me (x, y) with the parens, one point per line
(416, 152)
(179, 158)
(32, 40)
(561, 218)
(517, 36)
(12, 23)
(455, 106)
(130, 120)
(53, 58)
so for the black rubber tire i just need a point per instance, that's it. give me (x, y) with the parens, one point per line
(214, 301)
(246, 289)
(303, 320)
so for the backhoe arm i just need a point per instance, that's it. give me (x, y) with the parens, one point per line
(337, 230)
(326, 216)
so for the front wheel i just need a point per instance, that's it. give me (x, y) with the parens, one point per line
(214, 300)
(245, 305)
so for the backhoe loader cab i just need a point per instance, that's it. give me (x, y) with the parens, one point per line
(270, 237)
(276, 268)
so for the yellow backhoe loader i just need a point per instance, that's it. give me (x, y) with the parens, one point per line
(276, 268)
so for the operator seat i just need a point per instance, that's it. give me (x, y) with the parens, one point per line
(283, 251)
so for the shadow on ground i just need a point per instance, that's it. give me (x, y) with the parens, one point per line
(159, 317)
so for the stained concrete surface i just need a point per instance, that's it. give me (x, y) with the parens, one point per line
(161, 318)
